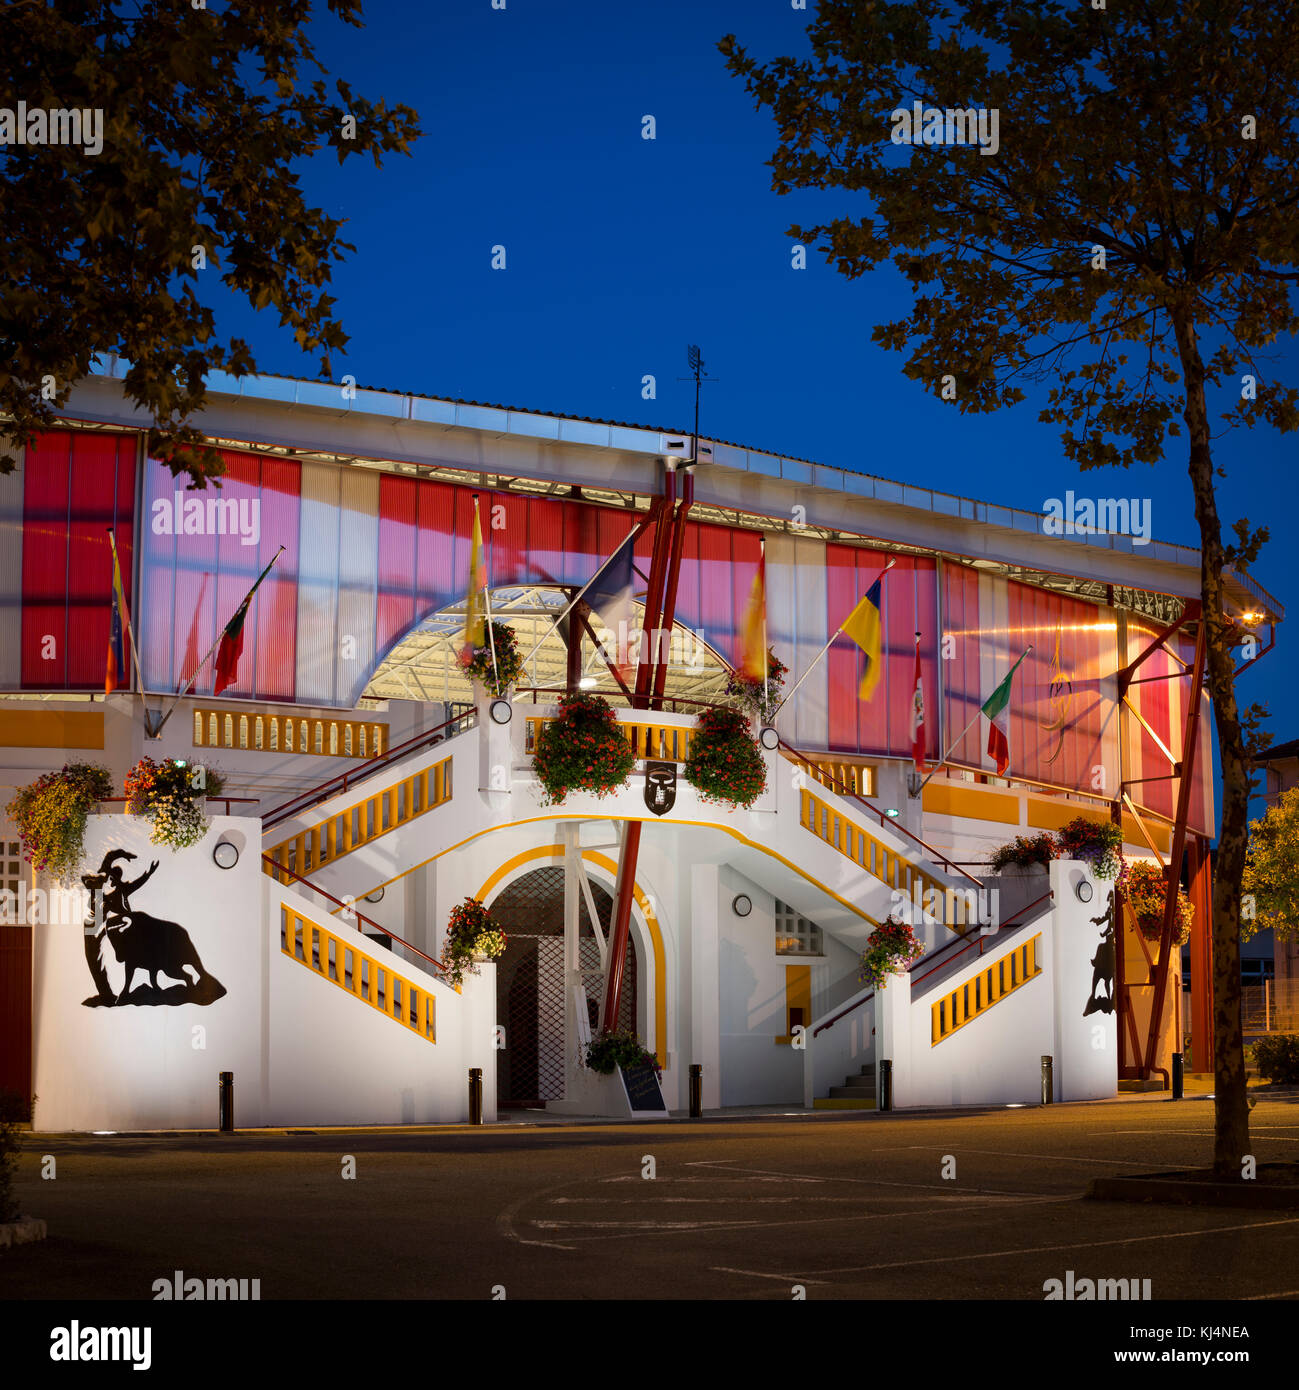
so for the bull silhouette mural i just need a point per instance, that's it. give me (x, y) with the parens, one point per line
(1103, 965)
(140, 942)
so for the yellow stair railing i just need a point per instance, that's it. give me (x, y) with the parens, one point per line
(892, 869)
(334, 959)
(990, 986)
(365, 820)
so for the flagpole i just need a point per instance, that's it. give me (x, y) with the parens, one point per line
(189, 683)
(823, 650)
(126, 617)
(487, 601)
(766, 664)
(960, 737)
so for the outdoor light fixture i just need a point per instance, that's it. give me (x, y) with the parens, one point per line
(893, 811)
(742, 905)
(501, 711)
(586, 683)
(225, 854)
(769, 738)
(375, 897)
(1252, 618)
(1084, 891)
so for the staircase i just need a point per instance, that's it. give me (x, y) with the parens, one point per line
(857, 1092)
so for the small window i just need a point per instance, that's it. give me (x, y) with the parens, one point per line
(795, 935)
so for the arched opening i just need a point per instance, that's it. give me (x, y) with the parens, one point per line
(424, 665)
(530, 982)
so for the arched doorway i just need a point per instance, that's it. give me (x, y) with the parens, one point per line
(530, 982)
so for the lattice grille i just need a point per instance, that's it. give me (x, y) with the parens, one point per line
(530, 983)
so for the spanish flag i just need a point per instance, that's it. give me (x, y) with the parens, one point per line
(115, 672)
(753, 635)
(863, 626)
(476, 602)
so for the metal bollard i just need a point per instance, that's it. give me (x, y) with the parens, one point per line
(696, 1091)
(1179, 1076)
(1048, 1080)
(226, 1101)
(886, 1084)
(475, 1095)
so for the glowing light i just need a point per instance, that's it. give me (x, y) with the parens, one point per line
(586, 683)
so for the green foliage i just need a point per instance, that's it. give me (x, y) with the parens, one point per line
(1271, 877)
(583, 749)
(508, 664)
(471, 930)
(619, 1047)
(14, 1109)
(1276, 1058)
(724, 763)
(208, 118)
(1023, 851)
(169, 795)
(50, 816)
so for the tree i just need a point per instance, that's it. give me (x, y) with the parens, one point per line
(202, 118)
(1142, 192)
(1271, 880)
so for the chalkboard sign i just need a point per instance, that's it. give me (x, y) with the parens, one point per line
(642, 1087)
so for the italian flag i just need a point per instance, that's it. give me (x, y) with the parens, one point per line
(997, 708)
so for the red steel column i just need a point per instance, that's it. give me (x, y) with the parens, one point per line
(1201, 880)
(674, 574)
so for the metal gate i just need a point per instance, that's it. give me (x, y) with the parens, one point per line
(530, 983)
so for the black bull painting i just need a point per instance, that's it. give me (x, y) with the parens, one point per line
(141, 942)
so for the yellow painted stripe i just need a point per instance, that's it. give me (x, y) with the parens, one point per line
(970, 803)
(22, 728)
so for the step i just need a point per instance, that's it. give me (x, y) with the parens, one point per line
(852, 1093)
(843, 1102)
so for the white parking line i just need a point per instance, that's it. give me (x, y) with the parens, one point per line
(959, 1149)
(1045, 1249)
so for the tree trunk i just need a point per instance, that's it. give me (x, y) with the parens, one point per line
(1231, 1110)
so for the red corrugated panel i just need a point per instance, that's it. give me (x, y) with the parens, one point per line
(90, 565)
(45, 562)
(436, 547)
(277, 599)
(398, 506)
(844, 659)
(717, 613)
(961, 670)
(546, 561)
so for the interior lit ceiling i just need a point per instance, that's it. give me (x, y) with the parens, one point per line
(425, 665)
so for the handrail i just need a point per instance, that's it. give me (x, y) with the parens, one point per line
(350, 907)
(229, 800)
(967, 945)
(829, 1023)
(886, 822)
(534, 690)
(339, 783)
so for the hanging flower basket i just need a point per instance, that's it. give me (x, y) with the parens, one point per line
(583, 749)
(504, 674)
(1144, 885)
(473, 935)
(616, 1048)
(756, 697)
(890, 949)
(1096, 843)
(50, 816)
(170, 795)
(724, 763)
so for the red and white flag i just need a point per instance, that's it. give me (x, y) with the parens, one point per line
(918, 716)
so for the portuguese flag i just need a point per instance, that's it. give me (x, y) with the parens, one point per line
(997, 708)
(232, 638)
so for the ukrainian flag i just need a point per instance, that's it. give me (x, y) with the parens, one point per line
(863, 625)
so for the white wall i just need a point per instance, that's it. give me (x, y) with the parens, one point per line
(137, 1066)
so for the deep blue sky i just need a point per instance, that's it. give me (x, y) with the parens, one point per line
(622, 250)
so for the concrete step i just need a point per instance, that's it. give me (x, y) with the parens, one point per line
(843, 1102)
(852, 1092)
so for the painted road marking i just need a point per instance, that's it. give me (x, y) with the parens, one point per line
(1045, 1249)
(1049, 1158)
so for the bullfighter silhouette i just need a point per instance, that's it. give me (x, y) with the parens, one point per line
(140, 941)
(1103, 964)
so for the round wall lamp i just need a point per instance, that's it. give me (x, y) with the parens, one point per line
(375, 897)
(501, 711)
(225, 855)
(1083, 889)
(769, 739)
(742, 905)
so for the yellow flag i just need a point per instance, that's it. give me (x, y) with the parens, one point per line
(753, 634)
(863, 626)
(476, 602)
